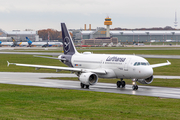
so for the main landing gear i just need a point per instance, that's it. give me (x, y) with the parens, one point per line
(121, 84)
(84, 86)
(135, 86)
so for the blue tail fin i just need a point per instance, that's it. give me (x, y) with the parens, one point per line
(68, 45)
(28, 40)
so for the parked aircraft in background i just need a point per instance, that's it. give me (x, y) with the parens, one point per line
(170, 40)
(153, 41)
(29, 43)
(43, 44)
(89, 67)
(12, 44)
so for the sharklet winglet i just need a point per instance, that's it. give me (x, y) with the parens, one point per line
(8, 63)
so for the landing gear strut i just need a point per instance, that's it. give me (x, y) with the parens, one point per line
(135, 86)
(84, 86)
(121, 84)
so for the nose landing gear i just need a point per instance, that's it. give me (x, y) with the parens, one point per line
(135, 86)
(121, 84)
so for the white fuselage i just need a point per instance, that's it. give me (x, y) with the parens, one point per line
(7, 43)
(116, 66)
(50, 43)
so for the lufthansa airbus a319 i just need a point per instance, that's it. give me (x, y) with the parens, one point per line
(89, 67)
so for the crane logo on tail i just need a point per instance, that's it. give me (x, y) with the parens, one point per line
(67, 44)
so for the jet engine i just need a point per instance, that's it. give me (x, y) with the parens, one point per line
(146, 81)
(88, 78)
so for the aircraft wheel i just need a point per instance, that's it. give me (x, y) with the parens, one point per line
(123, 83)
(119, 84)
(87, 86)
(135, 87)
(82, 85)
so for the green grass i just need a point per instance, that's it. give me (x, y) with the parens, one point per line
(26, 59)
(172, 69)
(150, 52)
(24, 102)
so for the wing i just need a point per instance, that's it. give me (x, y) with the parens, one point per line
(98, 71)
(160, 64)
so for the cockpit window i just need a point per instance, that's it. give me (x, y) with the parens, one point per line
(135, 63)
(141, 63)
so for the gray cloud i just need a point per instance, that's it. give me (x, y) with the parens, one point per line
(42, 14)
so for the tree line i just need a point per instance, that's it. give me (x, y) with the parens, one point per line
(53, 34)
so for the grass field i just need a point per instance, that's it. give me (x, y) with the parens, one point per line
(25, 102)
(150, 52)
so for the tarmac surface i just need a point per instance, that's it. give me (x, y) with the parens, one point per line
(37, 79)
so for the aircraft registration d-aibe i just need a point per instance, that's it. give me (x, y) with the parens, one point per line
(89, 67)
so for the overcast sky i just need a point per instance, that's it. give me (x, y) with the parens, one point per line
(43, 14)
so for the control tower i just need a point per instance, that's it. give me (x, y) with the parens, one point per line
(108, 22)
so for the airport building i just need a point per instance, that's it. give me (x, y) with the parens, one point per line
(127, 35)
(18, 35)
(131, 36)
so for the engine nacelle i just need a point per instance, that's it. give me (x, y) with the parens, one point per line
(88, 78)
(146, 81)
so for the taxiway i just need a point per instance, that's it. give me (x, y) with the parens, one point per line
(37, 79)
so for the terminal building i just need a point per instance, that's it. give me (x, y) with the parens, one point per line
(131, 36)
(18, 35)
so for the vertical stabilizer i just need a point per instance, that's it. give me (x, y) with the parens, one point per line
(68, 45)
(13, 39)
(28, 40)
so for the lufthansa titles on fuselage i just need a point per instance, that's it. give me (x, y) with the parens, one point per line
(115, 59)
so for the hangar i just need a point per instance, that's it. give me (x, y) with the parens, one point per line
(18, 35)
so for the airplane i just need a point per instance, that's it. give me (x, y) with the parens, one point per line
(170, 40)
(15, 43)
(153, 41)
(89, 67)
(28, 43)
(12, 44)
(43, 44)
